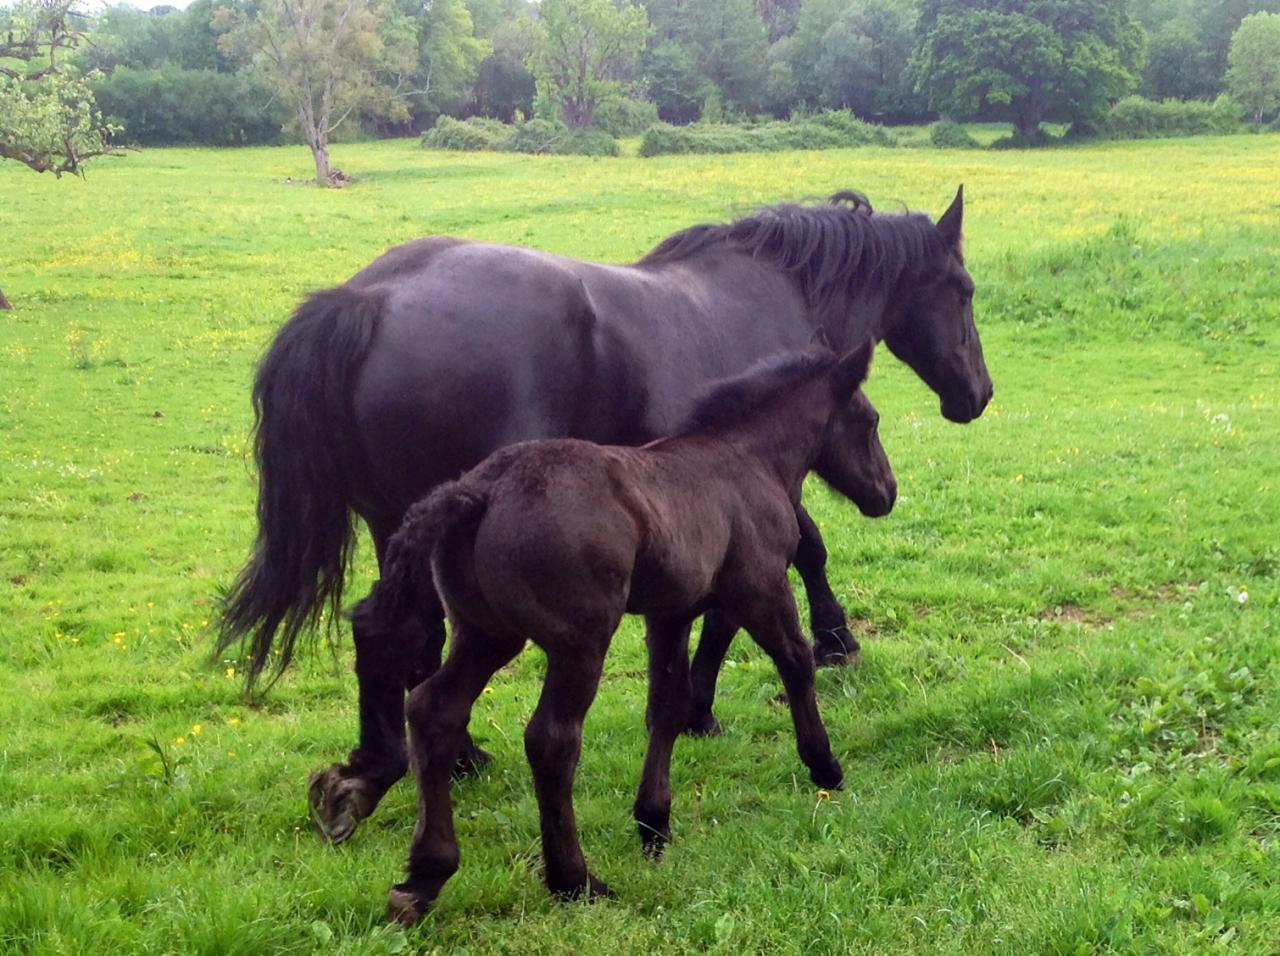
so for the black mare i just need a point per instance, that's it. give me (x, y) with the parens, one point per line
(443, 350)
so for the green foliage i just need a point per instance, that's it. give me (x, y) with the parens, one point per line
(1136, 118)
(171, 105)
(588, 50)
(533, 136)
(1062, 738)
(1063, 59)
(625, 116)
(948, 134)
(833, 129)
(1254, 76)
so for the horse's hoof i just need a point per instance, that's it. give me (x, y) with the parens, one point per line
(705, 726)
(836, 647)
(588, 892)
(338, 803)
(472, 760)
(404, 907)
(828, 778)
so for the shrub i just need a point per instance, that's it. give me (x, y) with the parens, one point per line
(173, 106)
(1137, 118)
(476, 133)
(833, 129)
(534, 136)
(948, 134)
(626, 116)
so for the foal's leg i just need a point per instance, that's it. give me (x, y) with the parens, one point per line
(667, 715)
(717, 634)
(553, 744)
(775, 625)
(833, 642)
(388, 663)
(438, 712)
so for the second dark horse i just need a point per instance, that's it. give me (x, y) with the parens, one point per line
(443, 350)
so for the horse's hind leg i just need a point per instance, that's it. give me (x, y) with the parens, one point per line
(388, 663)
(438, 712)
(717, 634)
(553, 744)
(833, 642)
(667, 715)
(774, 624)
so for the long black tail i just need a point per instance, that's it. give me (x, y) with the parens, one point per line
(305, 448)
(406, 567)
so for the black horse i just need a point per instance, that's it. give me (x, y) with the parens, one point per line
(552, 541)
(443, 350)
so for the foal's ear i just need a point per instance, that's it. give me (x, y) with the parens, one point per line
(854, 366)
(950, 225)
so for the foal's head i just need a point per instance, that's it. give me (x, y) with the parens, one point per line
(930, 325)
(852, 460)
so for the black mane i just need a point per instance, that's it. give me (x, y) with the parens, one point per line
(730, 400)
(826, 248)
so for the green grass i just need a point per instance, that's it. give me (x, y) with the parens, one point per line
(1063, 739)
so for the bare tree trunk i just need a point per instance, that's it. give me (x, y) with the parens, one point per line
(320, 150)
(5, 304)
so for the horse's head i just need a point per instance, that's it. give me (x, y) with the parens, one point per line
(852, 460)
(931, 326)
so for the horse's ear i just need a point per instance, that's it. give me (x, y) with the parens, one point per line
(950, 225)
(855, 365)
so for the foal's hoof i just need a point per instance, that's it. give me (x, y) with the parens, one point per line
(404, 907)
(704, 726)
(653, 842)
(471, 761)
(836, 647)
(338, 803)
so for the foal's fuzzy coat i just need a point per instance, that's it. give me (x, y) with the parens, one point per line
(553, 541)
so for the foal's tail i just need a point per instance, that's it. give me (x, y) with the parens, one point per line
(406, 567)
(306, 447)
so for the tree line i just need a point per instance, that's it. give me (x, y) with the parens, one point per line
(249, 71)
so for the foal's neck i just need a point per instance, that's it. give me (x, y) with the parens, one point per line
(787, 435)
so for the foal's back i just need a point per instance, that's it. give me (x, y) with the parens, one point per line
(575, 534)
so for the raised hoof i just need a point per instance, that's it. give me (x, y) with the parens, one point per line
(828, 778)
(472, 760)
(706, 726)
(404, 907)
(589, 892)
(836, 647)
(338, 803)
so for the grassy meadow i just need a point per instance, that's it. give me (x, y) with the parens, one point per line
(1064, 737)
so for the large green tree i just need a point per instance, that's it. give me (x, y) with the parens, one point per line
(1254, 75)
(48, 119)
(588, 50)
(1030, 60)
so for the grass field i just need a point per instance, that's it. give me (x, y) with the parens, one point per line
(1065, 737)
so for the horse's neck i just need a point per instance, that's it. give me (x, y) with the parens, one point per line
(786, 437)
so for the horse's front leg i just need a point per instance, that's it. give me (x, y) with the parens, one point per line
(388, 663)
(667, 715)
(773, 622)
(438, 712)
(833, 642)
(717, 634)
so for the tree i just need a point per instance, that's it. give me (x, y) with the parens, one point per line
(48, 119)
(1065, 59)
(325, 57)
(588, 49)
(1254, 74)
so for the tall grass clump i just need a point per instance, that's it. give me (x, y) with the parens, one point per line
(538, 136)
(833, 129)
(948, 134)
(1137, 118)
